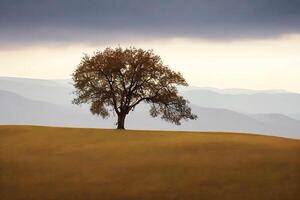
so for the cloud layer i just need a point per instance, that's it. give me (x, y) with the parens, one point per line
(65, 20)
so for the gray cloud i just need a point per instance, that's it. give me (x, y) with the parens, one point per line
(65, 20)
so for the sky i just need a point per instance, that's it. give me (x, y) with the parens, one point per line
(252, 44)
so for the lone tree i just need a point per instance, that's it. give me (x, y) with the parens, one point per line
(119, 79)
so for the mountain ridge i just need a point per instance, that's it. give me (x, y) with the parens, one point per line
(17, 109)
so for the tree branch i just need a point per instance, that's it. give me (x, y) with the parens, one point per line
(112, 91)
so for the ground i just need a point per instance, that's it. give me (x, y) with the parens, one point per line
(70, 164)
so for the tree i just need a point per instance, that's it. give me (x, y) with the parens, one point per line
(117, 80)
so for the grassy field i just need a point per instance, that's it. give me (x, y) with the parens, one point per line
(41, 163)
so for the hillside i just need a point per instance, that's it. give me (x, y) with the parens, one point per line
(66, 163)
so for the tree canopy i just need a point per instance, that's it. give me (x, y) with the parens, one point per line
(117, 80)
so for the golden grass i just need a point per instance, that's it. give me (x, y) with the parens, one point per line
(41, 163)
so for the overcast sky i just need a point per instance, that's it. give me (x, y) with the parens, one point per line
(220, 43)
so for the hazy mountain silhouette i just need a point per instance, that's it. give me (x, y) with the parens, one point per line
(216, 119)
(16, 109)
(285, 103)
(53, 91)
(230, 90)
(241, 100)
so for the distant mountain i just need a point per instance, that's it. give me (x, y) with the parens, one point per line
(53, 91)
(285, 103)
(232, 90)
(48, 102)
(16, 109)
(281, 122)
(295, 116)
(214, 119)
(270, 101)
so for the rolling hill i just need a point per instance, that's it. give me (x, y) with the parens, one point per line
(71, 164)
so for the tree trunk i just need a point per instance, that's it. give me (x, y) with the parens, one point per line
(121, 121)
